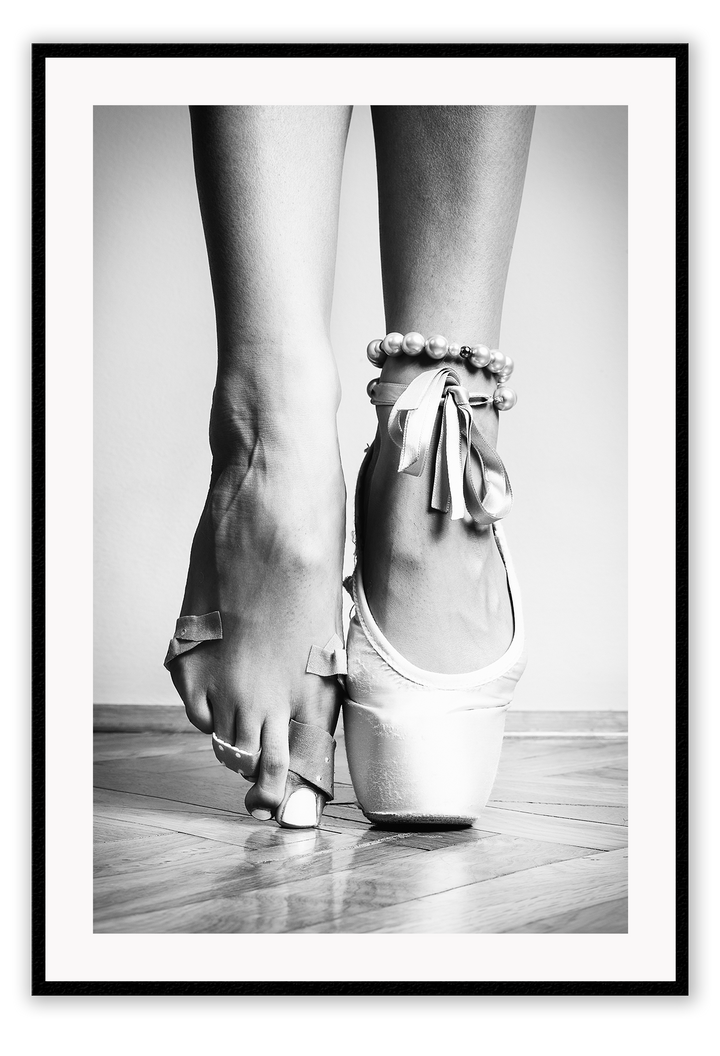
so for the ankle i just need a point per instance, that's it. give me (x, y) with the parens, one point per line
(404, 369)
(284, 397)
(403, 357)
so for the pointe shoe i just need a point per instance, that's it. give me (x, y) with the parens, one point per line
(309, 785)
(423, 747)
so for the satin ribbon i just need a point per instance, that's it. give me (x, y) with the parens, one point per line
(461, 446)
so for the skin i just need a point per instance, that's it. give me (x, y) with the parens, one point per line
(437, 587)
(269, 545)
(268, 550)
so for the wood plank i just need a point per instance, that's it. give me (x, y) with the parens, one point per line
(131, 746)
(235, 829)
(579, 811)
(500, 903)
(198, 876)
(240, 830)
(201, 874)
(516, 748)
(209, 787)
(142, 718)
(560, 790)
(137, 749)
(231, 900)
(605, 917)
(108, 799)
(113, 830)
(176, 851)
(557, 830)
(582, 723)
(177, 863)
(345, 809)
(573, 758)
(204, 758)
(195, 877)
(116, 864)
(617, 774)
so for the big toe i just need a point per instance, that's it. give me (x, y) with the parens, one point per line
(302, 805)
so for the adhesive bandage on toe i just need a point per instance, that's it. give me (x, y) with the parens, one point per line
(191, 631)
(331, 660)
(235, 759)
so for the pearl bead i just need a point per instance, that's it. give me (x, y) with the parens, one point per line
(504, 399)
(497, 361)
(375, 353)
(413, 344)
(436, 347)
(392, 344)
(453, 351)
(480, 356)
(509, 366)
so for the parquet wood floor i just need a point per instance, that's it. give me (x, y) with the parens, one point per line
(176, 852)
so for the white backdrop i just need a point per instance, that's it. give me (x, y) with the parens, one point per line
(565, 445)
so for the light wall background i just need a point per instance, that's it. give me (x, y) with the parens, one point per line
(565, 444)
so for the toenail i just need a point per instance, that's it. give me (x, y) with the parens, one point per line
(261, 815)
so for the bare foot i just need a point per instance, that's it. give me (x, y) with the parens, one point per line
(268, 555)
(437, 588)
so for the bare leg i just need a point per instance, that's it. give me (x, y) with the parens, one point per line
(268, 549)
(450, 183)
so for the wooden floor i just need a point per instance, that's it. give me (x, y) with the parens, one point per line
(176, 852)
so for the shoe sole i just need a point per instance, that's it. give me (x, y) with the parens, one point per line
(422, 821)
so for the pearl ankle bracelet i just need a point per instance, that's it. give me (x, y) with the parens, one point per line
(438, 347)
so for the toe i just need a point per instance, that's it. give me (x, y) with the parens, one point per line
(192, 693)
(225, 725)
(302, 806)
(267, 793)
(321, 703)
(199, 711)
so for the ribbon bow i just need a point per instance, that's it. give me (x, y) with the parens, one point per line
(460, 446)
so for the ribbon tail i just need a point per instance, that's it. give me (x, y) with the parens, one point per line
(456, 456)
(441, 481)
(495, 499)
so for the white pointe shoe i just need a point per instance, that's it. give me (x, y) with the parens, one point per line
(423, 747)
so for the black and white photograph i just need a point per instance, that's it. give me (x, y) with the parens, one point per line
(364, 598)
